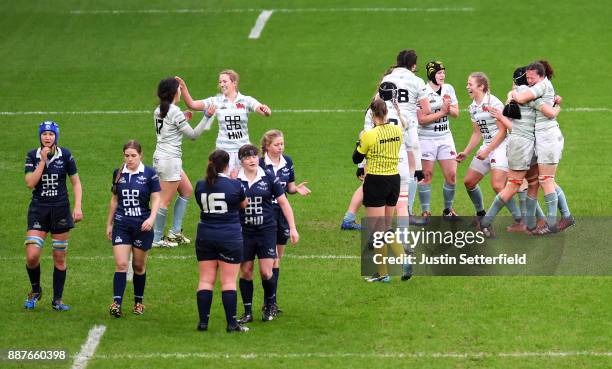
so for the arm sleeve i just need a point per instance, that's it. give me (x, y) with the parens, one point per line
(252, 103)
(154, 185)
(421, 90)
(291, 169)
(71, 167)
(193, 133)
(242, 194)
(453, 95)
(368, 124)
(538, 89)
(277, 188)
(30, 163)
(366, 141)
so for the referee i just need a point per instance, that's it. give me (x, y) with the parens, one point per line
(381, 187)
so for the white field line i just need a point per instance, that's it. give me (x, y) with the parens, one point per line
(260, 23)
(191, 257)
(281, 10)
(375, 355)
(290, 111)
(89, 347)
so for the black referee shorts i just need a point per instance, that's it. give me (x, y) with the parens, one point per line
(379, 190)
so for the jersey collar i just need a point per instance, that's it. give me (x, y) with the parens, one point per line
(239, 97)
(282, 163)
(242, 176)
(140, 169)
(57, 155)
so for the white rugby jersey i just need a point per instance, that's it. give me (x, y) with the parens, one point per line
(410, 89)
(545, 94)
(484, 120)
(440, 127)
(169, 135)
(525, 126)
(233, 120)
(392, 118)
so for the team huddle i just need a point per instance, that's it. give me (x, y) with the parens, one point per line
(244, 211)
(407, 130)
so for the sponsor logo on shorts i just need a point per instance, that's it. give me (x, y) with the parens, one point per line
(118, 239)
(36, 225)
(271, 251)
(62, 222)
(226, 257)
(138, 243)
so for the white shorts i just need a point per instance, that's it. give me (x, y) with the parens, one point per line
(497, 159)
(520, 152)
(438, 148)
(549, 146)
(234, 162)
(168, 170)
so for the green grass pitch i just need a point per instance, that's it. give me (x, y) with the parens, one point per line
(56, 60)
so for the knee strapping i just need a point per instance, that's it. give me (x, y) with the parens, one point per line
(34, 240)
(515, 181)
(60, 245)
(546, 178)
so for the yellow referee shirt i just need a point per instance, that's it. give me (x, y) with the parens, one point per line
(381, 147)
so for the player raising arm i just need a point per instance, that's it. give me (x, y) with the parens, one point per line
(231, 108)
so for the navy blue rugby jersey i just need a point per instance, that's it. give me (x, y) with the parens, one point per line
(259, 214)
(219, 209)
(134, 191)
(284, 172)
(51, 189)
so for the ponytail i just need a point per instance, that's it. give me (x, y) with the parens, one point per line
(218, 160)
(166, 90)
(548, 70)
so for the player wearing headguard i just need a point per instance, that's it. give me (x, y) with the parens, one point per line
(131, 215)
(46, 169)
(259, 229)
(491, 156)
(436, 139)
(171, 125)
(548, 143)
(231, 108)
(411, 90)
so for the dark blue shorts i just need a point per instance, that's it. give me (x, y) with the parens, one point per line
(282, 228)
(54, 219)
(226, 251)
(129, 233)
(260, 244)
